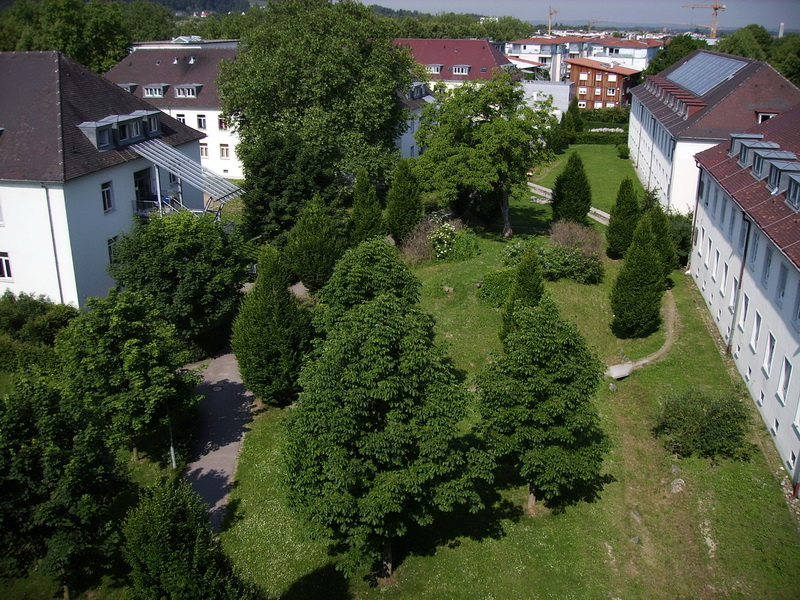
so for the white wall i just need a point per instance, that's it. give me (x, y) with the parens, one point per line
(683, 175)
(737, 325)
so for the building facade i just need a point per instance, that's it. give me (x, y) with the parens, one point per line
(746, 262)
(693, 105)
(80, 158)
(600, 84)
(633, 54)
(180, 78)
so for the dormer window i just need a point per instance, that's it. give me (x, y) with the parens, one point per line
(435, 69)
(130, 130)
(743, 154)
(793, 192)
(128, 87)
(154, 90)
(764, 116)
(153, 124)
(758, 165)
(187, 91)
(461, 69)
(780, 174)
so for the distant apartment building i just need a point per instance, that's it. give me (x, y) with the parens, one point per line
(746, 262)
(180, 78)
(633, 54)
(600, 84)
(693, 105)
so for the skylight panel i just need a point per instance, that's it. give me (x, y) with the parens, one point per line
(704, 72)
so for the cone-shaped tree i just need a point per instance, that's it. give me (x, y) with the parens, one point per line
(367, 215)
(537, 405)
(271, 333)
(624, 217)
(403, 203)
(664, 242)
(373, 444)
(568, 128)
(636, 295)
(314, 245)
(370, 269)
(572, 194)
(527, 289)
(573, 110)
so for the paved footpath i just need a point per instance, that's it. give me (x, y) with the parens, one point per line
(225, 412)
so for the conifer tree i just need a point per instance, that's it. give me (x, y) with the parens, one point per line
(624, 217)
(568, 128)
(314, 244)
(537, 405)
(664, 242)
(577, 119)
(572, 194)
(527, 289)
(403, 203)
(367, 215)
(636, 294)
(271, 333)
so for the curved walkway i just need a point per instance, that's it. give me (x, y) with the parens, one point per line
(225, 412)
(670, 314)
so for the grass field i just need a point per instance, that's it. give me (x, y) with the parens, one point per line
(604, 169)
(728, 535)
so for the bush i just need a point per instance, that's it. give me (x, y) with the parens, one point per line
(709, 426)
(680, 227)
(443, 239)
(623, 151)
(564, 262)
(497, 286)
(417, 248)
(513, 252)
(465, 246)
(617, 115)
(601, 138)
(585, 239)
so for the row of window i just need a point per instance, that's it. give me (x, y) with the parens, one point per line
(224, 151)
(222, 125)
(610, 77)
(157, 91)
(657, 132)
(582, 91)
(597, 104)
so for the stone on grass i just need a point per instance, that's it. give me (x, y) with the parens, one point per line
(677, 486)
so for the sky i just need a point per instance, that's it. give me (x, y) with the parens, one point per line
(769, 13)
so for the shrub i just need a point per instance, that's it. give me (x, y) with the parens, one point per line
(680, 228)
(710, 426)
(623, 151)
(574, 235)
(465, 245)
(513, 252)
(601, 138)
(564, 262)
(497, 286)
(417, 248)
(443, 239)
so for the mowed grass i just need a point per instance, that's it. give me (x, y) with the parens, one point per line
(727, 535)
(604, 168)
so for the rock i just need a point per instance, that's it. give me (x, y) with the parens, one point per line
(635, 540)
(619, 371)
(612, 387)
(479, 285)
(677, 486)
(676, 469)
(635, 514)
(447, 289)
(299, 290)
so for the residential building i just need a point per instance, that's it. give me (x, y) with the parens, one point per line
(414, 100)
(180, 78)
(746, 262)
(551, 52)
(600, 84)
(633, 54)
(694, 105)
(79, 159)
(453, 62)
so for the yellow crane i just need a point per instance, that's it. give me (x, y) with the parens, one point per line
(550, 20)
(592, 22)
(715, 8)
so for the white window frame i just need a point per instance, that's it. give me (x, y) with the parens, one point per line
(769, 355)
(785, 381)
(783, 276)
(460, 70)
(754, 253)
(756, 335)
(581, 103)
(598, 91)
(181, 117)
(224, 151)
(582, 91)
(611, 91)
(612, 77)
(598, 77)
(185, 92)
(584, 76)
(107, 196)
(203, 150)
(734, 291)
(153, 91)
(767, 266)
(745, 309)
(201, 122)
(716, 265)
(723, 286)
(5, 267)
(111, 242)
(222, 124)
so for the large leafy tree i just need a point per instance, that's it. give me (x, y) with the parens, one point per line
(482, 139)
(58, 481)
(119, 358)
(537, 405)
(624, 217)
(325, 74)
(572, 193)
(172, 550)
(272, 332)
(785, 57)
(373, 444)
(192, 268)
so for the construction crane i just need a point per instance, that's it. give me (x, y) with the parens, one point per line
(550, 20)
(592, 22)
(715, 8)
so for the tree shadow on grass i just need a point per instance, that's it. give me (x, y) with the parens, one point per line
(324, 582)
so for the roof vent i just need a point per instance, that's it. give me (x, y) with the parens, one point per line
(191, 60)
(175, 61)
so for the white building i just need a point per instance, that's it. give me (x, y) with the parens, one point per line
(180, 78)
(746, 262)
(79, 158)
(633, 54)
(694, 105)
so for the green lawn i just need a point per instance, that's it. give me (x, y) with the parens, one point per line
(604, 169)
(729, 535)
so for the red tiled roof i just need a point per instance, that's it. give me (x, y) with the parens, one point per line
(613, 42)
(602, 66)
(481, 56)
(560, 39)
(771, 213)
(46, 97)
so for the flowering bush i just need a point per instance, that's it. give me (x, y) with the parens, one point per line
(443, 238)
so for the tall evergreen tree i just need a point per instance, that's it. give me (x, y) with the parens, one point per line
(568, 128)
(572, 194)
(636, 294)
(537, 405)
(577, 119)
(624, 217)
(271, 333)
(527, 289)
(172, 551)
(367, 215)
(314, 244)
(664, 242)
(403, 203)
(373, 444)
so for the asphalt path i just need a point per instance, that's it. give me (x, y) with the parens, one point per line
(225, 412)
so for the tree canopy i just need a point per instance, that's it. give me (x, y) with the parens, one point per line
(482, 139)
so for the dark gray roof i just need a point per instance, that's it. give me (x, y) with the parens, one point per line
(45, 96)
(174, 66)
(725, 94)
